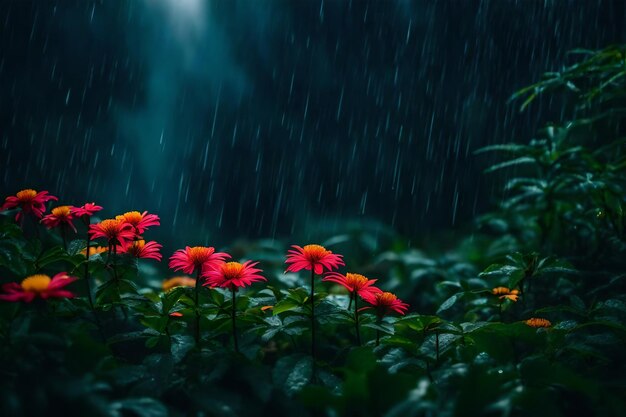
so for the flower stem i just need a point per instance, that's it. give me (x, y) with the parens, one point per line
(113, 248)
(63, 236)
(378, 322)
(197, 304)
(88, 284)
(234, 319)
(356, 319)
(87, 272)
(312, 313)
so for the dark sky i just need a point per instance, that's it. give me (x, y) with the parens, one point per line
(255, 118)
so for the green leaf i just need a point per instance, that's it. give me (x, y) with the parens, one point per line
(293, 373)
(450, 302)
(151, 342)
(285, 305)
(181, 345)
(511, 163)
(503, 147)
(171, 297)
(141, 407)
(515, 278)
(76, 246)
(52, 255)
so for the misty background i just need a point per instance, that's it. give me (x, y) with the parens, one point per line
(237, 119)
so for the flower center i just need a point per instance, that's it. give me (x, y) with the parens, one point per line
(136, 247)
(61, 211)
(132, 217)
(385, 298)
(232, 270)
(356, 281)
(26, 195)
(36, 283)
(200, 254)
(110, 227)
(315, 252)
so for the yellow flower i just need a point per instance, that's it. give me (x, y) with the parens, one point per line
(94, 250)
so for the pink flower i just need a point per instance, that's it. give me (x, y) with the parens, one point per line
(354, 283)
(141, 249)
(140, 221)
(89, 209)
(312, 257)
(233, 275)
(59, 215)
(116, 232)
(30, 201)
(204, 258)
(38, 285)
(385, 303)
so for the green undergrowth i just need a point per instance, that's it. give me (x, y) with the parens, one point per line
(557, 238)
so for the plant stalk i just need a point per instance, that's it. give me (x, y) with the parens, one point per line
(313, 320)
(234, 291)
(197, 304)
(356, 319)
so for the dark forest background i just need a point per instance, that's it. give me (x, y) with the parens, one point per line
(246, 119)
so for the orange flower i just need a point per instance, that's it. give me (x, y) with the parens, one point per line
(505, 293)
(30, 201)
(59, 215)
(233, 275)
(115, 231)
(354, 283)
(38, 285)
(312, 257)
(141, 249)
(538, 322)
(93, 250)
(176, 314)
(385, 303)
(140, 221)
(201, 257)
(174, 282)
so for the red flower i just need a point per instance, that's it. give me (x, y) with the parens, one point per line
(89, 209)
(233, 275)
(141, 249)
(385, 303)
(140, 221)
(354, 283)
(116, 232)
(312, 257)
(202, 257)
(30, 201)
(38, 285)
(59, 215)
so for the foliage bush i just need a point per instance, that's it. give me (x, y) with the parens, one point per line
(472, 342)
